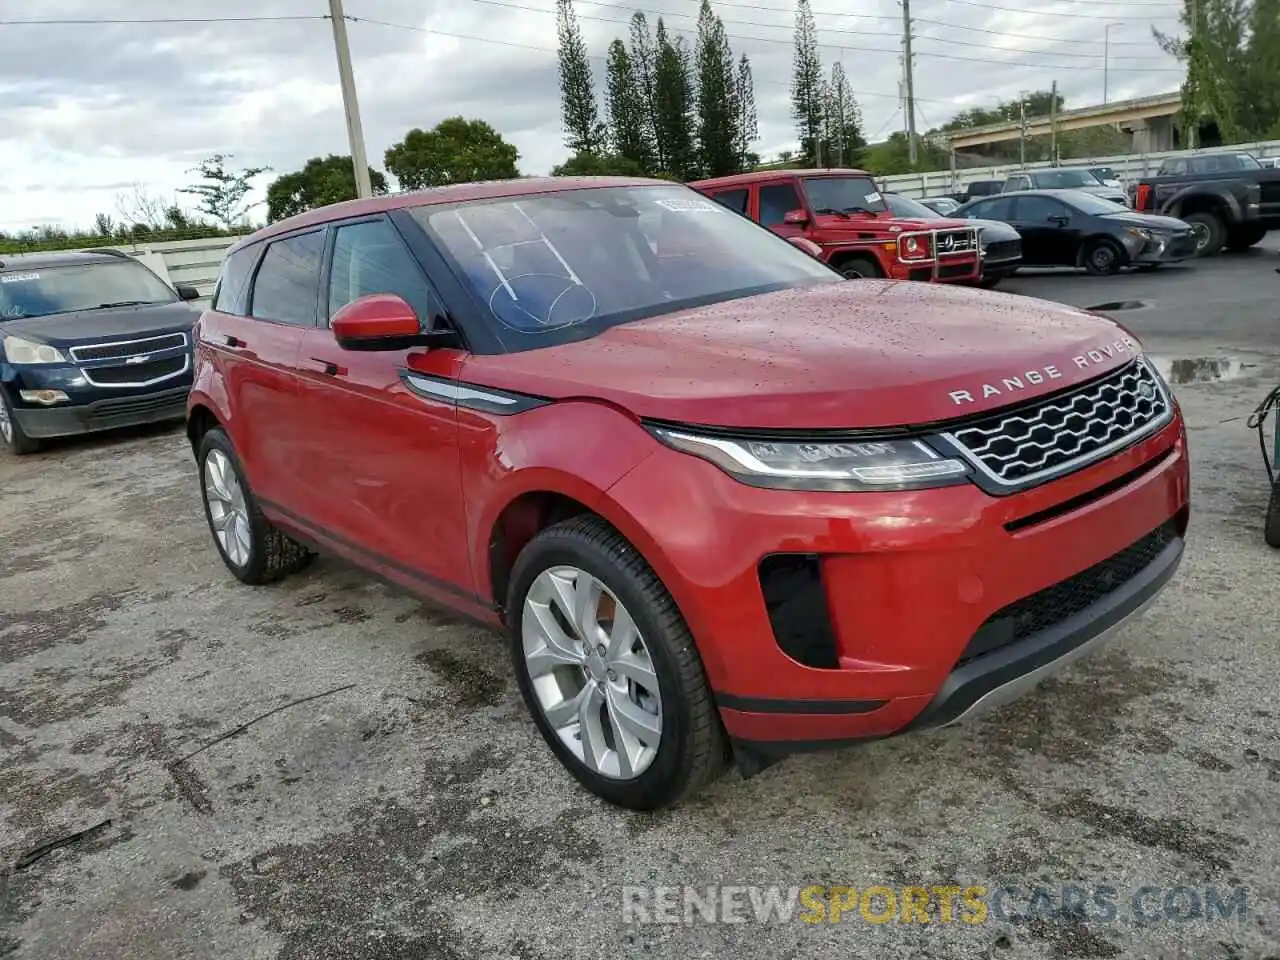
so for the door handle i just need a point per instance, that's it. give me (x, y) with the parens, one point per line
(327, 367)
(231, 341)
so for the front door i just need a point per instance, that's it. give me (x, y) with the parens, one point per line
(773, 202)
(381, 463)
(1049, 237)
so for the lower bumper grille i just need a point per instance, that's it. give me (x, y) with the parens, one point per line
(1052, 605)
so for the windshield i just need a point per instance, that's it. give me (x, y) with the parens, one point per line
(1100, 206)
(843, 195)
(1059, 179)
(591, 259)
(901, 206)
(1104, 173)
(45, 291)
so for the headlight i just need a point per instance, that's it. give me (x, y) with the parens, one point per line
(17, 350)
(821, 465)
(1140, 232)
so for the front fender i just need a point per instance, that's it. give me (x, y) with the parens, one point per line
(209, 390)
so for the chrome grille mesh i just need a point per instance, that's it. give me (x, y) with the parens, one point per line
(1068, 431)
(121, 349)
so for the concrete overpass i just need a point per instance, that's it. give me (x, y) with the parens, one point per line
(1149, 119)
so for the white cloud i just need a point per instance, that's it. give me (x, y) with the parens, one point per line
(90, 108)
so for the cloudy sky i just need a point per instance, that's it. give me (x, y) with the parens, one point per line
(94, 109)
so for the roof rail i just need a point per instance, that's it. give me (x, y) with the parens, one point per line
(108, 251)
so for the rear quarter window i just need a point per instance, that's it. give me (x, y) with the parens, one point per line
(232, 292)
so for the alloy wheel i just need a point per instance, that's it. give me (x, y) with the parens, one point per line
(1201, 232)
(591, 673)
(1103, 257)
(6, 424)
(228, 512)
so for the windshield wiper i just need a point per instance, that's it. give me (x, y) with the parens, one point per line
(833, 212)
(123, 303)
(847, 210)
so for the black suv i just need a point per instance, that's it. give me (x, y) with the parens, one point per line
(89, 341)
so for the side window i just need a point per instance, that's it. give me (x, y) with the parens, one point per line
(735, 200)
(232, 294)
(1037, 209)
(288, 280)
(776, 201)
(998, 209)
(371, 257)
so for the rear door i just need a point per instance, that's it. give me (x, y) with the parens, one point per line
(266, 300)
(381, 461)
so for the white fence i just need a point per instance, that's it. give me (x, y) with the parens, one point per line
(196, 262)
(1128, 167)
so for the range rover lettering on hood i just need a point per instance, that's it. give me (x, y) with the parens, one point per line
(1016, 382)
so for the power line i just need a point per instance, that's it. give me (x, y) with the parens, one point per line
(663, 14)
(83, 22)
(510, 5)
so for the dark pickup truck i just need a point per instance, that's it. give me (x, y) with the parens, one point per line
(1232, 208)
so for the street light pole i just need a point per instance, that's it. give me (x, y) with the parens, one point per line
(1106, 59)
(355, 131)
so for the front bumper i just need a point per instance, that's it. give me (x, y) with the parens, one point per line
(66, 420)
(909, 585)
(1167, 249)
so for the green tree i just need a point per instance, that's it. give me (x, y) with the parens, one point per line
(807, 85)
(717, 115)
(643, 65)
(893, 156)
(583, 130)
(454, 151)
(626, 109)
(598, 165)
(222, 192)
(673, 104)
(844, 142)
(104, 225)
(748, 125)
(320, 182)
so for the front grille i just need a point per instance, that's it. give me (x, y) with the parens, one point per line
(1003, 249)
(1066, 431)
(128, 348)
(952, 242)
(137, 373)
(1041, 611)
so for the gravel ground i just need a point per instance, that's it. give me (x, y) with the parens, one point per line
(416, 813)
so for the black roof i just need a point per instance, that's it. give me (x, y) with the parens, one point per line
(61, 258)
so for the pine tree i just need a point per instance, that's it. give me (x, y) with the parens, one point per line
(844, 144)
(806, 85)
(748, 125)
(643, 64)
(717, 94)
(626, 108)
(673, 104)
(577, 86)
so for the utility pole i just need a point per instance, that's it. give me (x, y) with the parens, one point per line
(1053, 125)
(1022, 132)
(910, 81)
(355, 131)
(1193, 128)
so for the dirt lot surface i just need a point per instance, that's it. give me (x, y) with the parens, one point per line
(417, 814)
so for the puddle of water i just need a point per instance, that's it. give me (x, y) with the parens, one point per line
(1115, 305)
(1200, 369)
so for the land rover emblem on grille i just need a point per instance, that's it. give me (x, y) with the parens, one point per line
(1146, 390)
(141, 358)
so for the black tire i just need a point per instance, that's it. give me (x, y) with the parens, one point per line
(1271, 529)
(692, 750)
(1103, 257)
(272, 554)
(11, 435)
(1210, 232)
(1242, 238)
(859, 269)
(990, 283)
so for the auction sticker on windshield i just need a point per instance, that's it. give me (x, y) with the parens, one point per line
(690, 206)
(18, 277)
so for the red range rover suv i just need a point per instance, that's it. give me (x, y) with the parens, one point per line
(727, 504)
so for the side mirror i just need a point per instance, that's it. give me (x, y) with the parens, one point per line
(187, 292)
(807, 245)
(795, 217)
(383, 321)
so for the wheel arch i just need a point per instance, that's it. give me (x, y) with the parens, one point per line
(841, 257)
(1093, 239)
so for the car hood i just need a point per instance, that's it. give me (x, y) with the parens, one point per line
(995, 229)
(1151, 221)
(833, 225)
(865, 353)
(1110, 193)
(95, 326)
